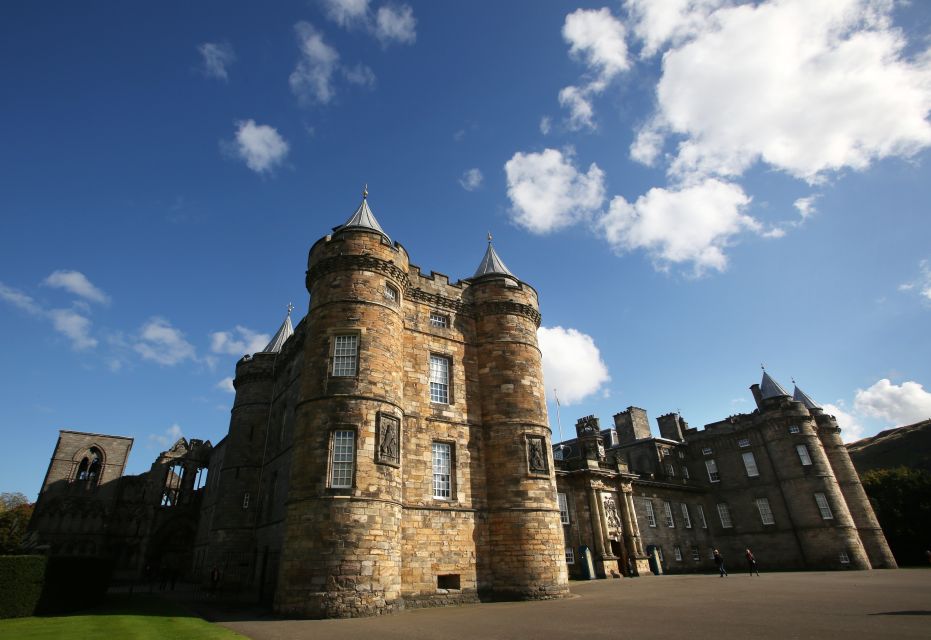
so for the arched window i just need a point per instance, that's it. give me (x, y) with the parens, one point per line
(89, 469)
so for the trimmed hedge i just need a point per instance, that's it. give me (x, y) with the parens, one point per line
(21, 580)
(73, 583)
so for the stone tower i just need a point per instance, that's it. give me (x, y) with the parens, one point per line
(525, 533)
(824, 527)
(861, 510)
(341, 553)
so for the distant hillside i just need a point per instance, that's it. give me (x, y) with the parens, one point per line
(909, 446)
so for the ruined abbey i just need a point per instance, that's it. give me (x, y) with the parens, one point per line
(392, 450)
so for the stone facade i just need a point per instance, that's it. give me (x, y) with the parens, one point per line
(393, 450)
(778, 481)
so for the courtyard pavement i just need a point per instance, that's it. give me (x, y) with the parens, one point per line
(854, 604)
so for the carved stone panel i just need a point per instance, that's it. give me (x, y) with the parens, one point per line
(388, 450)
(612, 517)
(536, 455)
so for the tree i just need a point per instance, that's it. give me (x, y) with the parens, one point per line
(901, 498)
(15, 512)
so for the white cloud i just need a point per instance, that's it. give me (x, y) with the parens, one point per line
(851, 429)
(545, 125)
(660, 22)
(899, 404)
(160, 342)
(471, 179)
(572, 363)
(260, 145)
(226, 384)
(78, 284)
(395, 24)
(170, 436)
(312, 78)
(692, 224)
(922, 283)
(805, 87)
(346, 13)
(360, 75)
(217, 57)
(68, 322)
(548, 193)
(19, 299)
(241, 340)
(74, 326)
(806, 206)
(596, 38)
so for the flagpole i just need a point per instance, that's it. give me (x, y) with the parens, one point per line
(558, 421)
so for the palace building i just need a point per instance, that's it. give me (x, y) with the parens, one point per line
(392, 450)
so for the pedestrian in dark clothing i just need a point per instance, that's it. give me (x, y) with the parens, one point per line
(751, 562)
(719, 561)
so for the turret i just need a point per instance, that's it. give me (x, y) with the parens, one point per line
(871, 535)
(524, 530)
(342, 556)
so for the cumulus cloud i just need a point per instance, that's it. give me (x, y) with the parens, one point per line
(259, 145)
(687, 225)
(312, 78)
(217, 56)
(395, 24)
(596, 38)
(851, 428)
(160, 342)
(77, 283)
(167, 438)
(74, 326)
(69, 322)
(471, 179)
(226, 384)
(572, 363)
(346, 13)
(804, 87)
(806, 206)
(241, 340)
(548, 193)
(899, 404)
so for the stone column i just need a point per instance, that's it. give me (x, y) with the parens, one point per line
(597, 531)
(631, 535)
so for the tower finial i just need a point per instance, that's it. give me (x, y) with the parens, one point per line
(793, 380)
(365, 191)
(489, 237)
(762, 367)
(290, 309)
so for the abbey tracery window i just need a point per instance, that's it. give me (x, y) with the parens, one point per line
(89, 469)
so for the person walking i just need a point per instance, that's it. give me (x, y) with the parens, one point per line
(719, 561)
(751, 562)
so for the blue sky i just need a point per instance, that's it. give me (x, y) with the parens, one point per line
(694, 188)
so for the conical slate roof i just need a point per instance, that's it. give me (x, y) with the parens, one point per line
(769, 388)
(285, 331)
(363, 218)
(491, 263)
(801, 396)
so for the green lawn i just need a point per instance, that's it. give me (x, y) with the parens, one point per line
(121, 617)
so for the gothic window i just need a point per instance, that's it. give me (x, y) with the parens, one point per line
(171, 494)
(439, 379)
(803, 455)
(442, 470)
(345, 355)
(89, 469)
(342, 458)
(750, 464)
(439, 320)
(766, 514)
(686, 519)
(563, 507)
(712, 467)
(724, 513)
